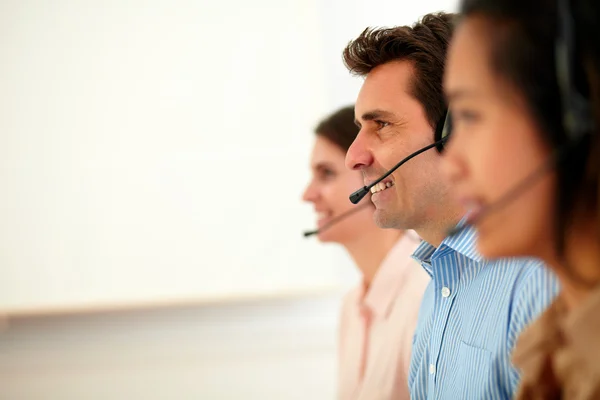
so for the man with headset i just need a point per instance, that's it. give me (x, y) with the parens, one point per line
(473, 309)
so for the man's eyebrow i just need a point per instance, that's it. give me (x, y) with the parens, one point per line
(373, 115)
(376, 114)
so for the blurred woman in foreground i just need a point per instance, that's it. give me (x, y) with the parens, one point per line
(524, 159)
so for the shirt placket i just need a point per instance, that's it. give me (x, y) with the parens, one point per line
(445, 291)
(366, 317)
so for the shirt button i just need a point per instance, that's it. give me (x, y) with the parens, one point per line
(445, 292)
(431, 369)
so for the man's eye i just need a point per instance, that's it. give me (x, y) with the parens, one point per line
(381, 124)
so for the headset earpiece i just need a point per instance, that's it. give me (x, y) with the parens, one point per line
(443, 130)
(577, 115)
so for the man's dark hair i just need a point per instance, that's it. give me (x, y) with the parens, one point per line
(424, 44)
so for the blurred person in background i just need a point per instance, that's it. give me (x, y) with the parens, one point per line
(474, 308)
(379, 316)
(524, 157)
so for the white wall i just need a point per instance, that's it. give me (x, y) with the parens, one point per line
(276, 349)
(155, 151)
(111, 157)
(343, 20)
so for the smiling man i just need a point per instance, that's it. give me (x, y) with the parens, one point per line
(473, 309)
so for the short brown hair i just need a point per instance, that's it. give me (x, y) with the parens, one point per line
(425, 44)
(339, 128)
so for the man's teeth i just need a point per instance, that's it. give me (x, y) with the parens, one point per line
(381, 186)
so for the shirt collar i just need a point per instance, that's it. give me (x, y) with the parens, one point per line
(391, 276)
(464, 243)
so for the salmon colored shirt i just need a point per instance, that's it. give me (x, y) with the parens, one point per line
(377, 327)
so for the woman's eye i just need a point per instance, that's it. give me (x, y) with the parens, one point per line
(465, 116)
(327, 174)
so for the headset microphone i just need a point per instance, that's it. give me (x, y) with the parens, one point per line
(576, 114)
(337, 219)
(521, 187)
(442, 134)
(362, 192)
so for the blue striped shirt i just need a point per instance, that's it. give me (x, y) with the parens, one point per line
(472, 313)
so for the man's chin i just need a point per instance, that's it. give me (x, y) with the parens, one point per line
(384, 220)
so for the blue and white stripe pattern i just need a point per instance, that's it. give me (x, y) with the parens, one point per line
(471, 315)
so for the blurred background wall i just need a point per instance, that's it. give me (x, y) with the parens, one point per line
(152, 157)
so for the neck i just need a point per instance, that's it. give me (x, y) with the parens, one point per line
(370, 249)
(433, 236)
(435, 232)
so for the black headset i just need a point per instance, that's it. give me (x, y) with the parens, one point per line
(443, 130)
(577, 119)
(577, 116)
(576, 107)
(442, 133)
